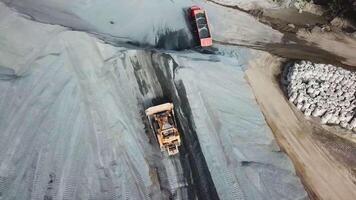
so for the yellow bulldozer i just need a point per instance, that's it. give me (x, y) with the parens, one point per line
(164, 126)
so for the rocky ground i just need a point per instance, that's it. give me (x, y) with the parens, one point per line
(323, 158)
(324, 91)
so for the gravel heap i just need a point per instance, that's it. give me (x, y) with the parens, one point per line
(323, 91)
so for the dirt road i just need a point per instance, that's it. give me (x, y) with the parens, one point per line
(286, 33)
(315, 159)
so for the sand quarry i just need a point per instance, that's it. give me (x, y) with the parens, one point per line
(76, 77)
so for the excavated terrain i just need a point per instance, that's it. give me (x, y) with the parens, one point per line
(73, 125)
(76, 77)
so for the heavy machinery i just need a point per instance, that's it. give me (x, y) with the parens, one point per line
(200, 26)
(163, 124)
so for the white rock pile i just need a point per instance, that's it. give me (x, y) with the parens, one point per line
(323, 91)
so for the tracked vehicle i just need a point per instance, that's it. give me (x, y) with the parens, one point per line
(163, 124)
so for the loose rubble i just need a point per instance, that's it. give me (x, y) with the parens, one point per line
(324, 91)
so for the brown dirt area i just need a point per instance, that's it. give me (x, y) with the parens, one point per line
(325, 161)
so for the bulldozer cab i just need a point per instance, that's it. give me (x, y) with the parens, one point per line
(162, 122)
(165, 119)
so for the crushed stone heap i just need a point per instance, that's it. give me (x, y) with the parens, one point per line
(322, 90)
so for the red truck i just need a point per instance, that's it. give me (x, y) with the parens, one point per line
(200, 25)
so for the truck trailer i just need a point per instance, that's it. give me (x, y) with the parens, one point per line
(200, 26)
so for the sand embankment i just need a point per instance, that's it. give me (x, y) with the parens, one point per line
(323, 160)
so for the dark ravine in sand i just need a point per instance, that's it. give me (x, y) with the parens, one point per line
(191, 157)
